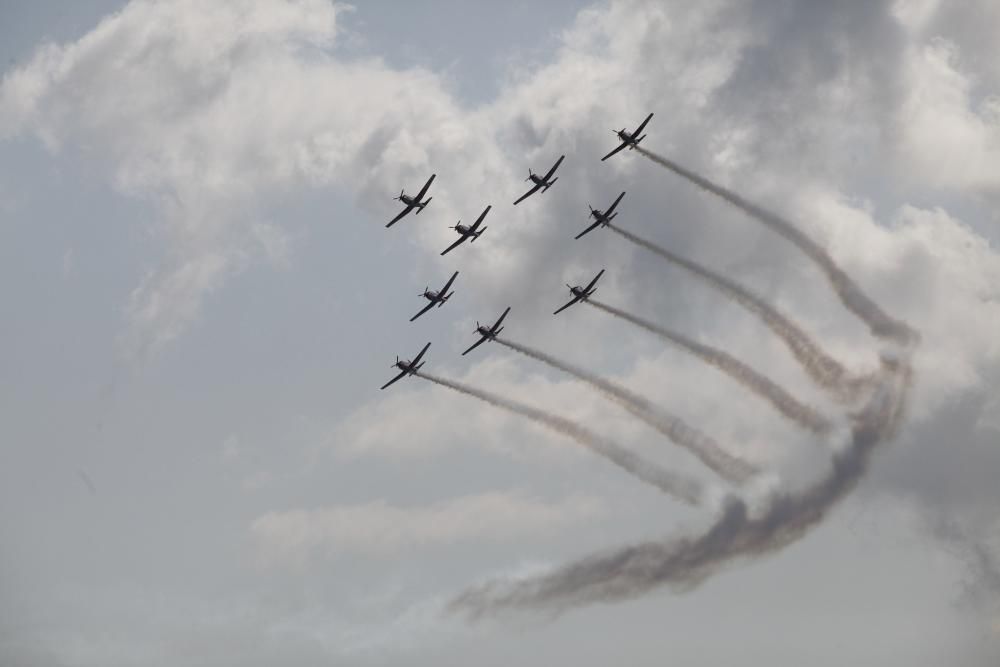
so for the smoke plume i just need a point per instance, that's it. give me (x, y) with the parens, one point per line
(856, 301)
(783, 402)
(705, 448)
(825, 371)
(681, 487)
(685, 562)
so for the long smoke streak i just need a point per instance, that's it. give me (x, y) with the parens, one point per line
(821, 368)
(685, 562)
(707, 450)
(853, 298)
(783, 402)
(678, 486)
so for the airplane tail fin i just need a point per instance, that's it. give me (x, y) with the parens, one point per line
(421, 206)
(551, 183)
(444, 298)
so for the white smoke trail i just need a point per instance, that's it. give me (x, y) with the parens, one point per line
(825, 371)
(853, 298)
(705, 448)
(783, 402)
(678, 486)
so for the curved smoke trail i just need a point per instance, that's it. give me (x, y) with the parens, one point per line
(705, 448)
(681, 487)
(853, 298)
(821, 367)
(685, 562)
(803, 415)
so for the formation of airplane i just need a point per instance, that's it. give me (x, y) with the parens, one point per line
(407, 367)
(487, 333)
(541, 182)
(581, 293)
(467, 232)
(436, 298)
(413, 202)
(630, 139)
(602, 217)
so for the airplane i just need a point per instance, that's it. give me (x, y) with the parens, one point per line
(407, 367)
(602, 217)
(413, 202)
(436, 298)
(542, 182)
(628, 139)
(487, 333)
(466, 232)
(581, 293)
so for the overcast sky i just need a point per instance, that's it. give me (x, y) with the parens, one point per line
(200, 300)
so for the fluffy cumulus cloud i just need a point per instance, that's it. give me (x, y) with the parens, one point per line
(850, 118)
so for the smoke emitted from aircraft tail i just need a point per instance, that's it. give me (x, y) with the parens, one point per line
(849, 293)
(685, 562)
(821, 368)
(803, 415)
(680, 487)
(702, 446)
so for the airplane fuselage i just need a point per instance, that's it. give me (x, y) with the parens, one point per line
(431, 295)
(626, 137)
(411, 201)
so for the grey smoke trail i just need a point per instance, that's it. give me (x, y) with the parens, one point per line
(682, 488)
(853, 298)
(707, 450)
(821, 367)
(685, 562)
(783, 402)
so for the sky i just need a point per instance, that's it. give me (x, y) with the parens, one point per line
(201, 300)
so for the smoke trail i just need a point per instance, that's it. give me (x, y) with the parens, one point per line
(783, 402)
(679, 486)
(853, 298)
(685, 562)
(821, 368)
(707, 450)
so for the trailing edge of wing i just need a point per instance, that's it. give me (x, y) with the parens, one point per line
(475, 345)
(424, 310)
(400, 216)
(454, 245)
(623, 145)
(423, 190)
(553, 169)
(575, 299)
(642, 125)
(395, 379)
(612, 207)
(588, 229)
(527, 194)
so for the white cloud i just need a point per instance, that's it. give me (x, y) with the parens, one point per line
(379, 528)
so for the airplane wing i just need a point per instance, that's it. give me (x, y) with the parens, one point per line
(575, 299)
(454, 245)
(482, 215)
(395, 379)
(475, 345)
(554, 167)
(423, 190)
(589, 229)
(400, 216)
(623, 145)
(638, 130)
(612, 207)
(594, 281)
(527, 194)
(417, 358)
(444, 290)
(424, 310)
(496, 325)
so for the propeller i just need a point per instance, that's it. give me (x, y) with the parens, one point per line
(400, 197)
